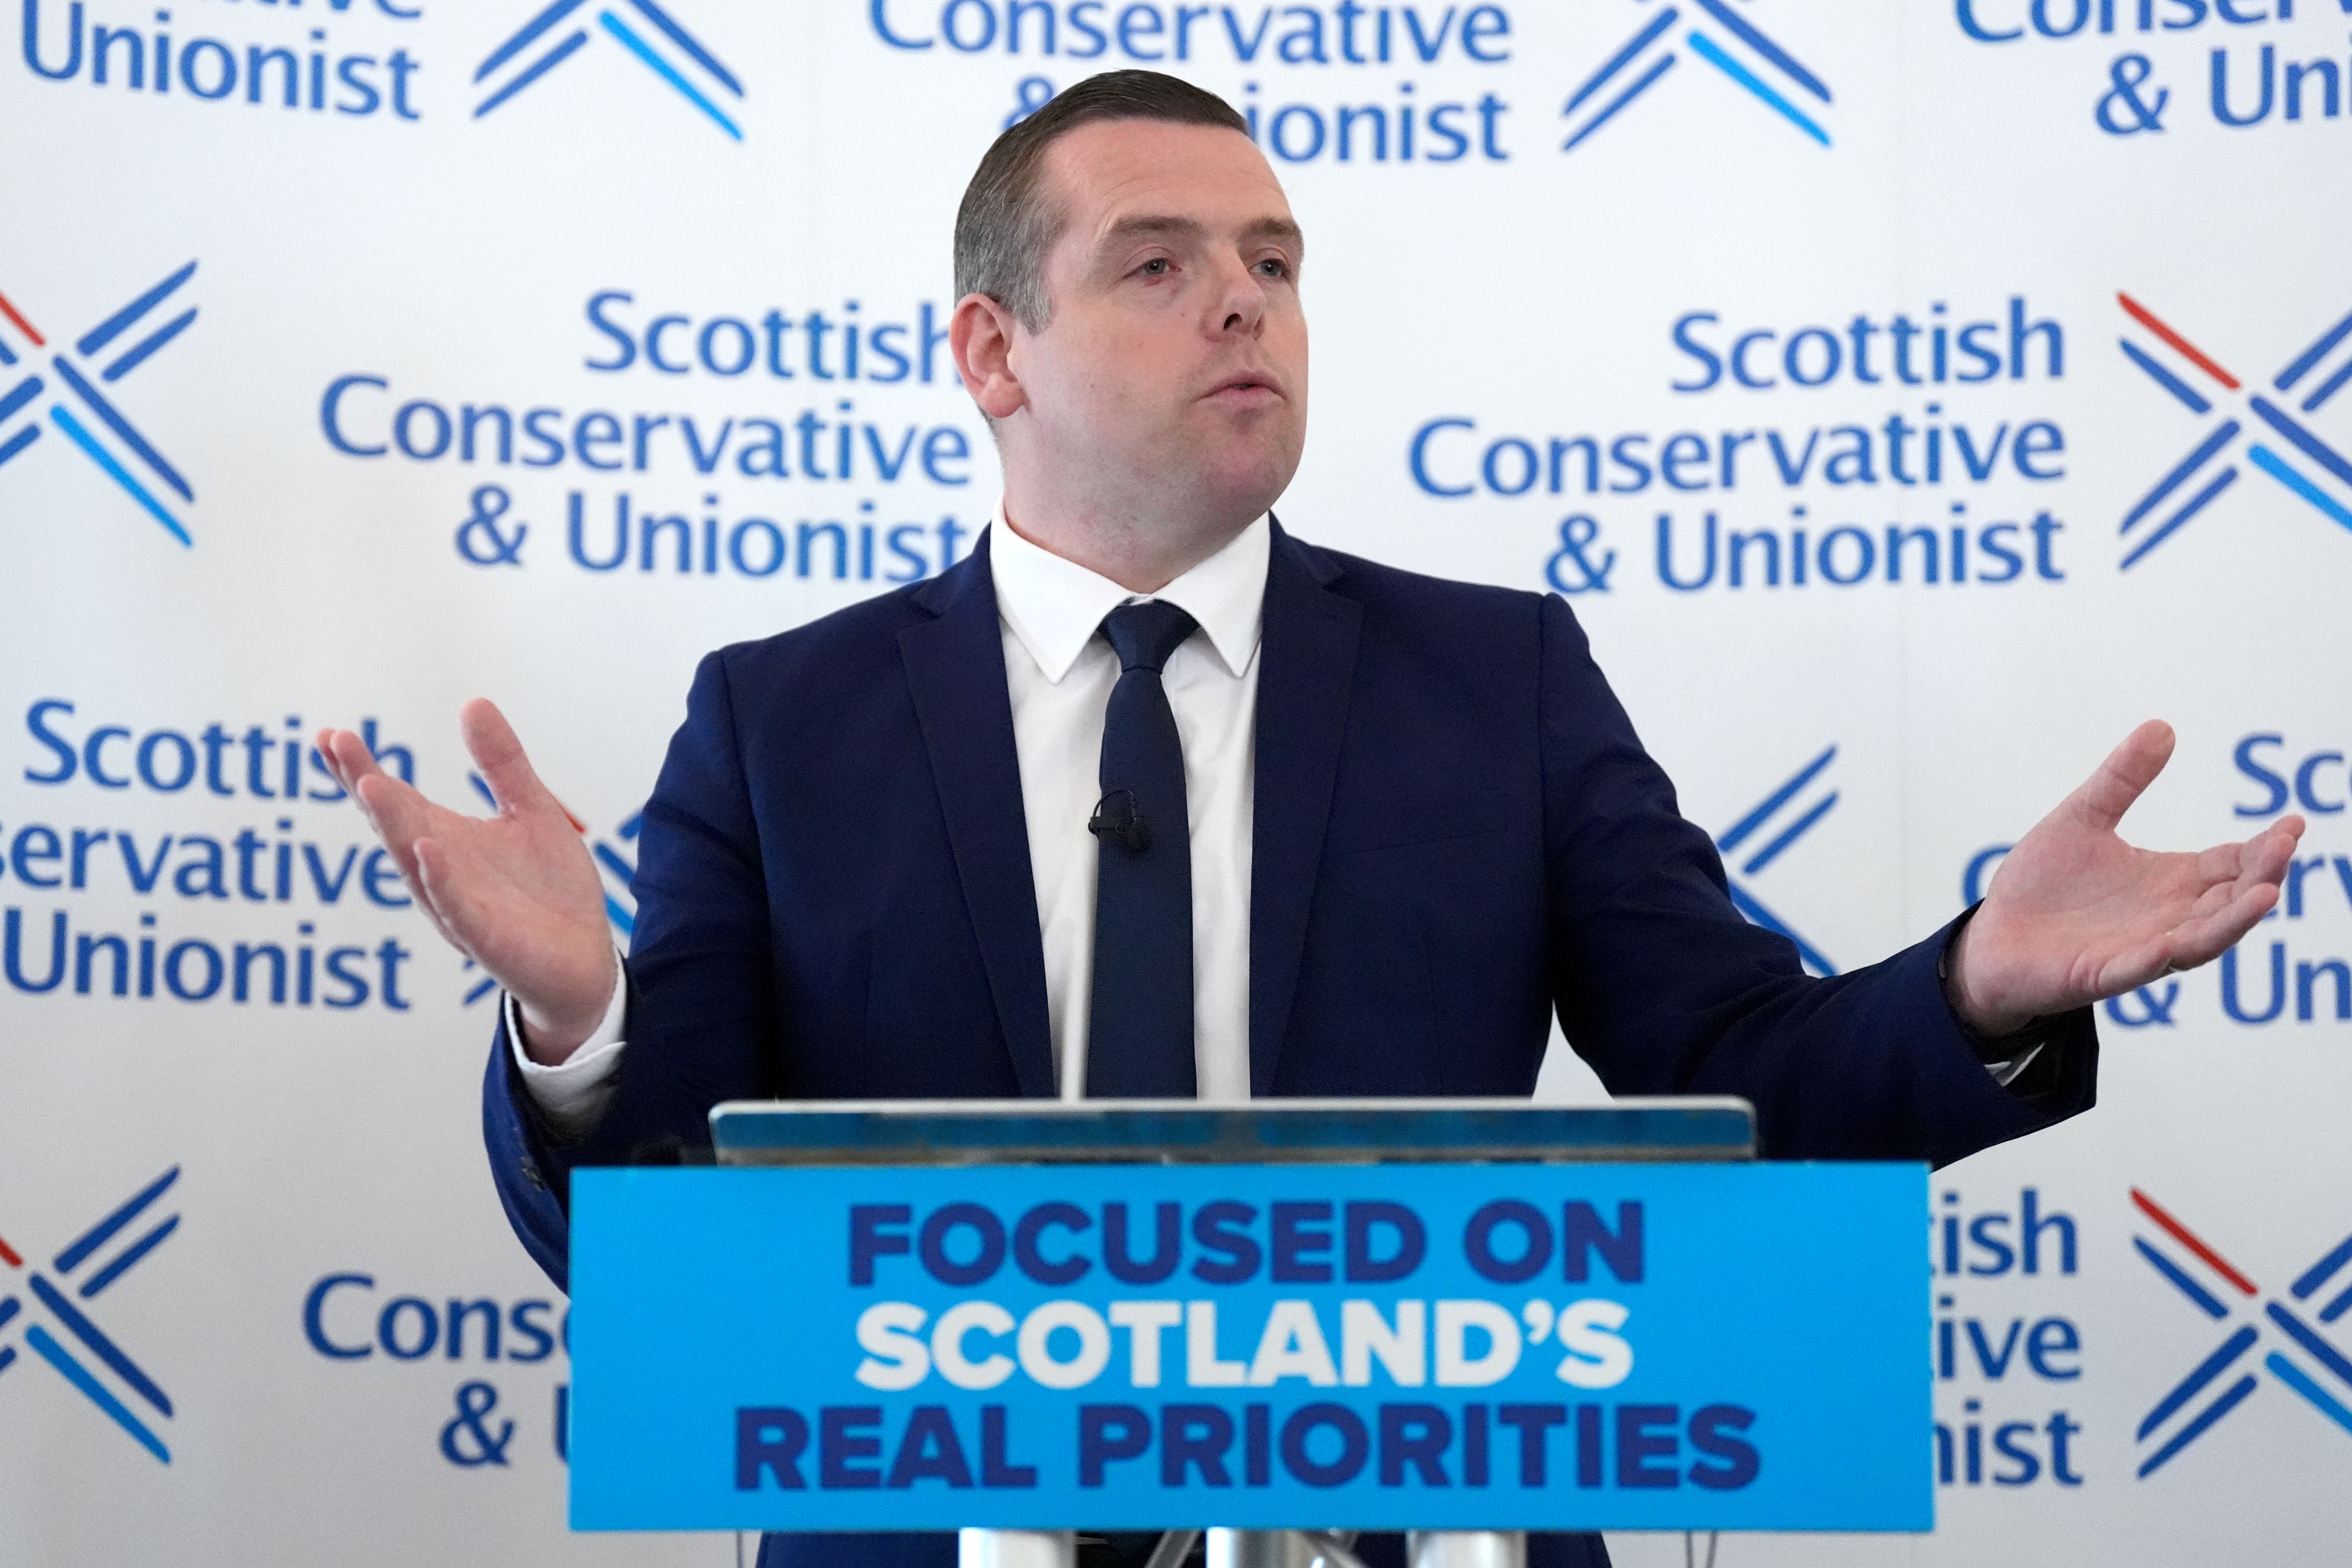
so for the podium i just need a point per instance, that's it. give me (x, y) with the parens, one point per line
(1280, 1323)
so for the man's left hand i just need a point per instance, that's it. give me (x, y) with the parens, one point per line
(2076, 915)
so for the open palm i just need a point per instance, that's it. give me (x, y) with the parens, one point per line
(515, 892)
(2076, 915)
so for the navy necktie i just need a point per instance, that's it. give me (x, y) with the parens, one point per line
(1140, 1039)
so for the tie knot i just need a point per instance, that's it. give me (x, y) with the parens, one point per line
(1145, 635)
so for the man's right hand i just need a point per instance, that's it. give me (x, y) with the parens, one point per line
(515, 892)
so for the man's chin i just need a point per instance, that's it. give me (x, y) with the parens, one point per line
(1243, 497)
(1244, 477)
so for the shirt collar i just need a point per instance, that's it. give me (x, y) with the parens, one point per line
(1055, 606)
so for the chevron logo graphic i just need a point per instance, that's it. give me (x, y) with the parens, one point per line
(2291, 455)
(99, 357)
(505, 83)
(2289, 1345)
(54, 1311)
(1750, 61)
(1781, 823)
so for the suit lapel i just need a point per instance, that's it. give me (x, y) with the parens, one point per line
(1307, 655)
(955, 668)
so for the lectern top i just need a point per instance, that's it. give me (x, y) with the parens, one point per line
(1190, 1132)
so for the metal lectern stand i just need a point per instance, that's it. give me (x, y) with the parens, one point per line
(1258, 1133)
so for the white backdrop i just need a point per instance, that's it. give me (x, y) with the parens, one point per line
(460, 276)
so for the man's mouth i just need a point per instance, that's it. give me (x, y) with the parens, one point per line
(1245, 389)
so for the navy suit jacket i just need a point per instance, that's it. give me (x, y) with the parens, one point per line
(1457, 834)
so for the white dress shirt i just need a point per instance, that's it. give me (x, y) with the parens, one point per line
(1059, 671)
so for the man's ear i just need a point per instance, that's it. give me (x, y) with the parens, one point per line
(980, 334)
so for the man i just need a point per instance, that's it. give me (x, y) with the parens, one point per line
(1150, 797)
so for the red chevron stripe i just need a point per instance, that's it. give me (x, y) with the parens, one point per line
(2147, 317)
(23, 325)
(2148, 1206)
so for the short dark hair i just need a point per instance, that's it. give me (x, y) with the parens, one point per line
(1005, 226)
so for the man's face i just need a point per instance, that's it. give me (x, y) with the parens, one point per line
(1173, 363)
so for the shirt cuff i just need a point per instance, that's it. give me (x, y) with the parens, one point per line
(2005, 1057)
(573, 1093)
(2009, 1070)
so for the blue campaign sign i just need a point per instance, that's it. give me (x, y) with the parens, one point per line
(1514, 1346)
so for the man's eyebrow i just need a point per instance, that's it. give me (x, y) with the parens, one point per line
(1281, 228)
(1149, 224)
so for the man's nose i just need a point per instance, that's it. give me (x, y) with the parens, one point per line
(1241, 301)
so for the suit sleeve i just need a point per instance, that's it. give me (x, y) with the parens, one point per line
(1665, 988)
(701, 1019)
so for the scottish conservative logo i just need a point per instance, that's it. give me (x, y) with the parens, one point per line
(52, 1312)
(1752, 61)
(1768, 832)
(2230, 56)
(2279, 1326)
(368, 60)
(2278, 443)
(521, 62)
(39, 377)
